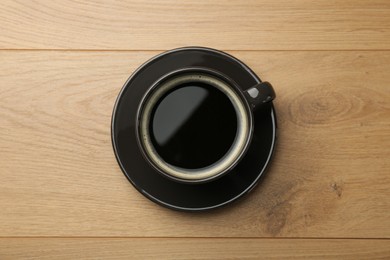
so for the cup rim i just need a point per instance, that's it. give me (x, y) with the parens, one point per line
(228, 82)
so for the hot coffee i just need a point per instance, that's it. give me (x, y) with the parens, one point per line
(193, 126)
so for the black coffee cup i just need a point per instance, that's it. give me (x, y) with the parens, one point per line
(195, 124)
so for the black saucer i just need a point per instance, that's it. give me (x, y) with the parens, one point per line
(160, 189)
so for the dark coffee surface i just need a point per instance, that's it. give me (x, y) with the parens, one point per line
(193, 125)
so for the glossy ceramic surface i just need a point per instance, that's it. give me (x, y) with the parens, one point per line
(156, 186)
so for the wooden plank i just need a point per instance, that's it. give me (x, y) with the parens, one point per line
(228, 24)
(330, 175)
(189, 248)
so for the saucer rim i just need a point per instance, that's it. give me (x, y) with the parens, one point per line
(250, 187)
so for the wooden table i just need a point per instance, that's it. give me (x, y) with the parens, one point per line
(326, 195)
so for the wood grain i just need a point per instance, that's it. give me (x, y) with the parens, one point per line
(185, 248)
(330, 175)
(229, 25)
(63, 196)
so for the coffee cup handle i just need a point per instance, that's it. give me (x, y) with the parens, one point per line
(260, 94)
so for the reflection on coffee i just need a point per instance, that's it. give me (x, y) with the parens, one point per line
(193, 125)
